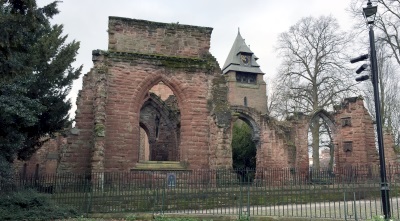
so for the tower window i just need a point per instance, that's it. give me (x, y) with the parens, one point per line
(245, 101)
(246, 78)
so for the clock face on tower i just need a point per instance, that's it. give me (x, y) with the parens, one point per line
(245, 59)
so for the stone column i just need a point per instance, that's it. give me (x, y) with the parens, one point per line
(99, 107)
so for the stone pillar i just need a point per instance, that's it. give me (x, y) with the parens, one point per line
(99, 107)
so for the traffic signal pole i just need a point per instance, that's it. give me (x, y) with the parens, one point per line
(375, 79)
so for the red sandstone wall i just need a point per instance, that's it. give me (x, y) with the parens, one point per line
(273, 152)
(360, 132)
(43, 161)
(300, 137)
(109, 104)
(145, 37)
(127, 87)
(388, 143)
(76, 157)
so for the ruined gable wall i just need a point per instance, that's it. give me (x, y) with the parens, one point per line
(360, 133)
(141, 55)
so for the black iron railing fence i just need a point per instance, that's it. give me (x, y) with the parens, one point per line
(351, 193)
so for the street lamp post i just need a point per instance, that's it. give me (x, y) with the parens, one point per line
(369, 13)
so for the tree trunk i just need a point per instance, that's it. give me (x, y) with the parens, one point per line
(6, 175)
(332, 156)
(315, 143)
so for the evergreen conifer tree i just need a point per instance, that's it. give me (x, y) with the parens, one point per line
(35, 78)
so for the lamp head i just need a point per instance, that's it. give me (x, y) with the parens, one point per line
(370, 12)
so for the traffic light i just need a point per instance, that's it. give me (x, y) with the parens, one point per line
(362, 78)
(362, 68)
(359, 58)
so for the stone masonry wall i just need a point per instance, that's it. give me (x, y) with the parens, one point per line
(255, 94)
(142, 54)
(77, 155)
(45, 160)
(128, 85)
(220, 120)
(355, 140)
(273, 152)
(145, 37)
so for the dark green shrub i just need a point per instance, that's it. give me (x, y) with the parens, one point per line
(31, 205)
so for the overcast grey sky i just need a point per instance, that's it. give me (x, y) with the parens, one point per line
(260, 22)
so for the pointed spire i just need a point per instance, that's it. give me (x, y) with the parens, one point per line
(239, 47)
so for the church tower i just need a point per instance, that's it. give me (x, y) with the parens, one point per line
(245, 78)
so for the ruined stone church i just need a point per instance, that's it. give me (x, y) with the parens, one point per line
(158, 97)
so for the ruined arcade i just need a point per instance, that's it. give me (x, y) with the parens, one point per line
(158, 97)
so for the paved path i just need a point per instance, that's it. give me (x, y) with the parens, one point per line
(350, 210)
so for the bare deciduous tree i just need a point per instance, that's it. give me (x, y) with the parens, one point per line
(314, 74)
(389, 88)
(387, 30)
(387, 23)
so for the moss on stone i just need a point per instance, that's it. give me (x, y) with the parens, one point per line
(100, 130)
(170, 62)
(220, 106)
(154, 25)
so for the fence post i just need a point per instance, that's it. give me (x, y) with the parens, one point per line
(240, 198)
(248, 193)
(88, 196)
(345, 205)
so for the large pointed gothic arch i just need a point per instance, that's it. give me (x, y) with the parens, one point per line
(326, 116)
(329, 120)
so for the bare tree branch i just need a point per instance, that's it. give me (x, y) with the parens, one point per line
(313, 74)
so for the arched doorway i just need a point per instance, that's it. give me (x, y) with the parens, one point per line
(243, 147)
(245, 142)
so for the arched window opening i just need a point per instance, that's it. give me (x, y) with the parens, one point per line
(160, 125)
(321, 147)
(245, 101)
